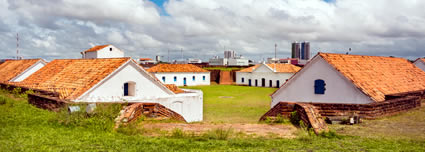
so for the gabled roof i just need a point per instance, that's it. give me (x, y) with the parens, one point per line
(176, 68)
(96, 48)
(12, 68)
(420, 59)
(378, 76)
(281, 68)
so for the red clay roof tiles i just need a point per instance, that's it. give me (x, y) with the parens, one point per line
(176, 68)
(72, 77)
(12, 68)
(96, 48)
(378, 76)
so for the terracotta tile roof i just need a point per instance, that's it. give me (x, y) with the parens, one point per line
(176, 68)
(96, 48)
(12, 68)
(378, 76)
(72, 77)
(174, 88)
(145, 59)
(284, 68)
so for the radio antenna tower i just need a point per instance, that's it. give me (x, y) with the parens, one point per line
(17, 46)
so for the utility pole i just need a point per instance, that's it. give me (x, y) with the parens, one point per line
(275, 50)
(17, 46)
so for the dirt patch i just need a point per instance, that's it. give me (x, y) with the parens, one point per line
(263, 130)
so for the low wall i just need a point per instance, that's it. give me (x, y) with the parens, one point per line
(46, 102)
(367, 111)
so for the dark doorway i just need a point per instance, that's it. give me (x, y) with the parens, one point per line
(277, 84)
(184, 81)
(249, 82)
(263, 82)
(125, 89)
(270, 83)
(256, 82)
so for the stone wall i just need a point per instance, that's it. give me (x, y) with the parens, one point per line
(46, 102)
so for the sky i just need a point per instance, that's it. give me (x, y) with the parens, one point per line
(53, 29)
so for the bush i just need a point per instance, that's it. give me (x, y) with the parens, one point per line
(177, 133)
(295, 118)
(219, 134)
(3, 100)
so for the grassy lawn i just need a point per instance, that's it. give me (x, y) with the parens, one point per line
(26, 128)
(234, 104)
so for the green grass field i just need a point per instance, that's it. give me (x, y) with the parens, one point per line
(234, 104)
(26, 128)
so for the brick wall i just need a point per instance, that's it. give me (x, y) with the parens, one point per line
(46, 102)
(367, 111)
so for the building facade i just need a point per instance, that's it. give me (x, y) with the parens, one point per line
(102, 51)
(266, 75)
(181, 74)
(350, 79)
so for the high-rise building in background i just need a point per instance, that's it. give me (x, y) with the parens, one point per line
(229, 54)
(301, 50)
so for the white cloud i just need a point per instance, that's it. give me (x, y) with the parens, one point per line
(203, 27)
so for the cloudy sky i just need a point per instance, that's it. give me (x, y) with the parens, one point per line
(203, 28)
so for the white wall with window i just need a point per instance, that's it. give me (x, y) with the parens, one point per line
(108, 52)
(184, 78)
(319, 82)
(264, 78)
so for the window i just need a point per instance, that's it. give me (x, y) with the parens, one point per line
(193, 78)
(319, 86)
(110, 49)
(203, 77)
(277, 84)
(243, 80)
(175, 79)
(129, 89)
(163, 79)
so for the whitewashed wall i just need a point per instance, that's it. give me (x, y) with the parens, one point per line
(105, 53)
(34, 68)
(301, 87)
(260, 73)
(112, 89)
(169, 78)
(189, 104)
(420, 64)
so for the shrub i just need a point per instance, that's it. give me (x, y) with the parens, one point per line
(3, 100)
(177, 133)
(219, 134)
(295, 118)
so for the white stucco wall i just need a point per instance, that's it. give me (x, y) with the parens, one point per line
(420, 64)
(34, 68)
(112, 89)
(259, 73)
(188, 104)
(301, 87)
(169, 78)
(105, 53)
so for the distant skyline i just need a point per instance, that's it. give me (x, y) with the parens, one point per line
(54, 29)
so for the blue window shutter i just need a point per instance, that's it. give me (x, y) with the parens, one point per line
(319, 86)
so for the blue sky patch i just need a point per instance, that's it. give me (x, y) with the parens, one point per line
(160, 4)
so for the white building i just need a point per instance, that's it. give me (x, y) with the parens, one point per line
(191, 60)
(350, 79)
(218, 61)
(420, 63)
(181, 74)
(113, 80)
(266, 75)
(102, 51)
(237, 61)
(147, 61)
(18, 70)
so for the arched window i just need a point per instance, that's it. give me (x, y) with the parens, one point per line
(175, 78)
(263, 82)
(243, 80)
(319, 86)
(277, 84)
(163, 79)
(203, 77)
(270, 83)
(129, 89)
(193, 78)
